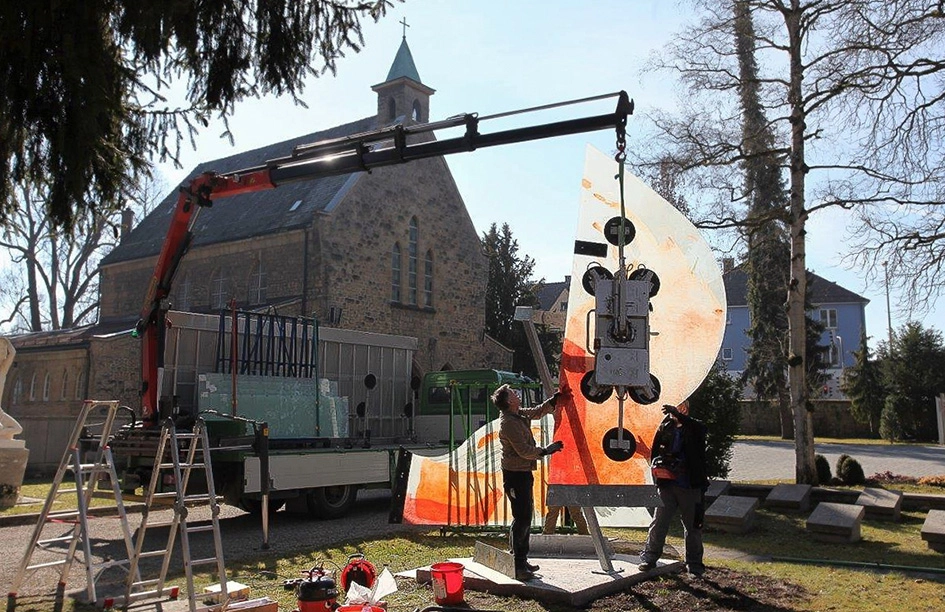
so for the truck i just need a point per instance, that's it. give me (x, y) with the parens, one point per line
(299, 443)
(338, 406)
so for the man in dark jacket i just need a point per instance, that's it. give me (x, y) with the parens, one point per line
(678, 466)
(519, 458)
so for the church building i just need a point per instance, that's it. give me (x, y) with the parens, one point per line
(390, 251)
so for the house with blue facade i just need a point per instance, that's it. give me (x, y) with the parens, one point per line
(842, 312)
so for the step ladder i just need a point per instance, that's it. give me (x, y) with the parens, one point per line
(77, 537)
(178, 454)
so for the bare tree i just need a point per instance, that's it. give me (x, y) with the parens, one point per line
(52, 282)
(828, 70)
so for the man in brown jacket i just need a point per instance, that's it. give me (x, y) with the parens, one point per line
(519, 458)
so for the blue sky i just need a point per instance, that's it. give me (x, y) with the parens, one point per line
(493, 56)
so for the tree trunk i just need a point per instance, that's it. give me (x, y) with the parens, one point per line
(805, 472)
(784, 410)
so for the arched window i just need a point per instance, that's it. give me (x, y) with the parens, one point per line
(46, 387)
(395, 267)
(415, 115)
(64, 385)
(78, 386)
(33, 387)
(412, 262)
(428, 280)
(391, 108)
(17, 390)
(218, 292)
(184, 294)
(257, 284)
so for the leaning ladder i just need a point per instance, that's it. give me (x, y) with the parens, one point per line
(87, 476)
(181, 453)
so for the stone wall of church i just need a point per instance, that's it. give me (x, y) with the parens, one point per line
(44, 392)
(357, 241)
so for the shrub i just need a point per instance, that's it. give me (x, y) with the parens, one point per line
(715, 403)
(849, 471)
(823, 469)
(890, 420)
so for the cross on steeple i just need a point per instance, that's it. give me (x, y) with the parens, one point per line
(404, 23)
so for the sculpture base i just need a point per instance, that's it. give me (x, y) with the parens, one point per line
(12, 469)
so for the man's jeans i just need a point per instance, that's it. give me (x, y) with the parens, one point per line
(685, 501)
(518, 488)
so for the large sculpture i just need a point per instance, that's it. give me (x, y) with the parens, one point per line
(13, 453)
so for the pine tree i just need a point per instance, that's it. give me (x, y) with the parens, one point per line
(863, 384)
(83, 106)
(510, 285)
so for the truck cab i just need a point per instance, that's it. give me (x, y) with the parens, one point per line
(452, 404)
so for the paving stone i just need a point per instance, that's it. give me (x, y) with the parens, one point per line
(933, 530)
(881, 504)
(732, 513)
(717, 488)
(789, 497)
(831, 522)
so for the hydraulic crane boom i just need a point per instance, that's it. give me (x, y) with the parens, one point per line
(358, 152)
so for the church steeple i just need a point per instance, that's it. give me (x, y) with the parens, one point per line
(403, 94)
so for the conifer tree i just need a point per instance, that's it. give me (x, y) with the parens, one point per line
(863, 384)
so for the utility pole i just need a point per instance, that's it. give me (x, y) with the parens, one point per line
(888, 312)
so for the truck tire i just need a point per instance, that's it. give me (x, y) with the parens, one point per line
(332, 502)
(254, 506)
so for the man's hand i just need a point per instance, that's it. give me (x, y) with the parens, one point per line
(670, 409)
(553, 448)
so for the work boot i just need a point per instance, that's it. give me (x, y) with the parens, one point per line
(523, 574)
(646, 566)
(531, 567)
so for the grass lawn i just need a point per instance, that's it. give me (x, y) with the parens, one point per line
(774, 568)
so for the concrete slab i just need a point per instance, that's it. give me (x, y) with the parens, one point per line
(731, 513)
(574, 581)
(881, 504)
(790, 497)
(933, 530)
(717, 488)
(559, 545)
(831, 522)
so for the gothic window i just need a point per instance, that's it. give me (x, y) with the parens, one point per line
(78, 386)
(218, 290)
(46, 387)
(258, 285)
(412, 263)
(415, 115)
(395, 266)
(184, 294)
(428, 280)
(65, 384)
(33, 387)
(17, 390)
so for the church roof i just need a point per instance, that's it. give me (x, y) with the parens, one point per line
(287, 207)
(403, 65)
(822, 291)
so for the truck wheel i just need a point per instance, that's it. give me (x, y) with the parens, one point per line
(332, 502)
(254, 506)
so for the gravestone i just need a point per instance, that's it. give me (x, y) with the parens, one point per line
(732, 513)
(832, 522)
(933, 530)
(791, 497)
(717, 488)
(881, 504)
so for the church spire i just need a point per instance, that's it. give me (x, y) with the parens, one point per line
(403, 95)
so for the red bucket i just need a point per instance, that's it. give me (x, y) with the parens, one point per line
(447, 583)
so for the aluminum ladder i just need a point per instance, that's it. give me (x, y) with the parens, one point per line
(181, 453)
(86, 475)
